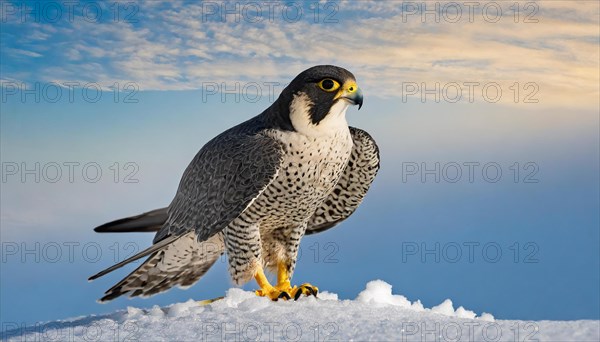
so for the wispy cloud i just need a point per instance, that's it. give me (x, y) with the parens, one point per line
(20, 53)
(180, 45)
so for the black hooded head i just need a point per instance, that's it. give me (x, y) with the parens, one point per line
(321, 87)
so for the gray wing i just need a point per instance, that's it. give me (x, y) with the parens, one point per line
(353, 184)
(222, 180)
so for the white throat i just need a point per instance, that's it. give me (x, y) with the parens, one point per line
(333, 123)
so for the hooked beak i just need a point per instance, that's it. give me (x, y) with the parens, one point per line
(352, 94)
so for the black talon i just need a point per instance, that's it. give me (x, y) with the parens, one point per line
(311, 291)
(284, 295)
(298, 294)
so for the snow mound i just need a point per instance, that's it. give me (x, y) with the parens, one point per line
(379, 293)
(376, 314)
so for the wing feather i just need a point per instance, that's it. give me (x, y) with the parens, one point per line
(222, 180)
(353, 184)
(226, 175)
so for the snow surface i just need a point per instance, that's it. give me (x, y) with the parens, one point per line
(375, 315)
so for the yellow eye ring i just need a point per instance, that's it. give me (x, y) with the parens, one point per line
(328, 85)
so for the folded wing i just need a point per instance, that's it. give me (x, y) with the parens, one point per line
(353, 184)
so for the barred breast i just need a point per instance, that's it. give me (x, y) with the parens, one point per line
(310, 171)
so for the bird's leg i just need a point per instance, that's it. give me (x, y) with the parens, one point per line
(266, 289)
(283, 251)
(283, 277)
(283, 289)
(284, 284)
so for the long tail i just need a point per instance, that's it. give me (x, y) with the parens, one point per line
(151, 221)
(182, 262)
(150, 250)
(174, 260)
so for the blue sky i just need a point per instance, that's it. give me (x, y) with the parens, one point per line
(184, 75)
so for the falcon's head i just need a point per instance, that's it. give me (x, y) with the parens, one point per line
(315, 102)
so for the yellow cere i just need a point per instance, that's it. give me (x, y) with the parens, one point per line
(351, 87)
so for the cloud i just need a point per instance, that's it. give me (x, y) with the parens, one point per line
(21, 53)
(178, 45)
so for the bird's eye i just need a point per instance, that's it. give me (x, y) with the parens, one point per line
(328, 85)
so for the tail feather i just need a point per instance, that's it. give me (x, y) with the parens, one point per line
(182, 262)
(151, 221)
(152, 249)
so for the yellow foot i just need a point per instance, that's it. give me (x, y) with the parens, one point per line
(273, 293)
(304, 289)
(285, 291)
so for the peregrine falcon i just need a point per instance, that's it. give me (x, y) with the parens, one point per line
(256, 189)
